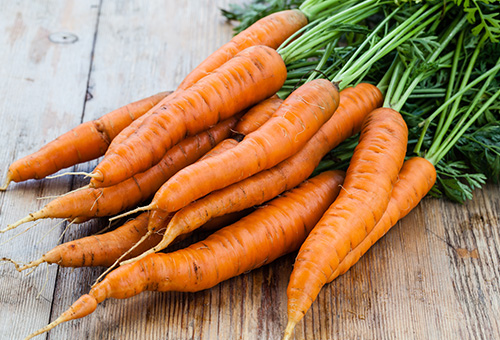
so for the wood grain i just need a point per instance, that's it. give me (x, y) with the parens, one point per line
(435, 275)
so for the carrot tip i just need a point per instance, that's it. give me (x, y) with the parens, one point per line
(29, 218)
(85, 305)
(6, 259)
(289, 330)
(69, 192)
(6, 184)
(147, 207)
(86, 174)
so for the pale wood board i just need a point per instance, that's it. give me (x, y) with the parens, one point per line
(435, 275)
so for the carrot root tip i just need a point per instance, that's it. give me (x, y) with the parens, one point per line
(6, 259)
(289, 330)
(6, 183)
(29, 218)
(148, 207)
(86, 174)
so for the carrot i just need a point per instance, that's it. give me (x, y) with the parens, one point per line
(416, 178)
(251, 76)
(258, 115)
(298, 118)
(272, 231)
(105, 249)
(271, 31)
(372, 172)
(91, 202)
(83, 143)
(355, 104)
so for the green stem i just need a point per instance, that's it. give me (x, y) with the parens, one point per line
(400, 34)
(443, 106)
(392, 84)
(436, 157)
(402, 100)
(438, 137)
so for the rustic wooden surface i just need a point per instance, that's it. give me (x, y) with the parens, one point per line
(433, 276)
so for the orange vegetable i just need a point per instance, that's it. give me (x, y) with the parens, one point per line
(83, 143)
(298, 118)
(248, 78)
(105, 249)
(372, 172)
(355, 104)
(416, 178)
(92, 202)
(271, 31)
(258, 115)
(259, 238)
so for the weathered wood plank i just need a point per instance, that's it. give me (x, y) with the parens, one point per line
(434, 276)
(45, 56)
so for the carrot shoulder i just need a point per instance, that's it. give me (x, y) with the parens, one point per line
(372, 172)
(257, 239)
(248, 78)
(87, 141)
(355, 104)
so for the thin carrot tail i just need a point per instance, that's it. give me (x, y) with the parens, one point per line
(164, 243)
(30, 218)
(82, 173)
(145, 208)
(289, 330)
(148, 234)
(32, 264)
(8, 179)
(85, 305)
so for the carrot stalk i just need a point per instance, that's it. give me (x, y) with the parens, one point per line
(372, 172)
(83, 143)
(261, 237)
(355, 104)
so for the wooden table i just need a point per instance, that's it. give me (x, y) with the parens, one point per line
(434, 276)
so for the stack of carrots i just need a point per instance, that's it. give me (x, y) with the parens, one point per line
(224, 142)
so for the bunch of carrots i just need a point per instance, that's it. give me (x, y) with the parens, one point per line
(257, 123)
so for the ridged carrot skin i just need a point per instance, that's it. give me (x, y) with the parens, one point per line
(105, 249)
(99, 202)
(298, 118)
(416, 178)
(371, 175)
(87, 141)
(258, 115)
(271, 31)
(250, 77)
(355, 104)
(259, 238)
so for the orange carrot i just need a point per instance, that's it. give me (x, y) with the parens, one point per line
(416, 178)
(83, 143)
(272, 231)
(298, 118)
(248, 78)
(108, 201)
(105, 249)
(355, 104)
(258, 115)
(271, 31)
(372, 172)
